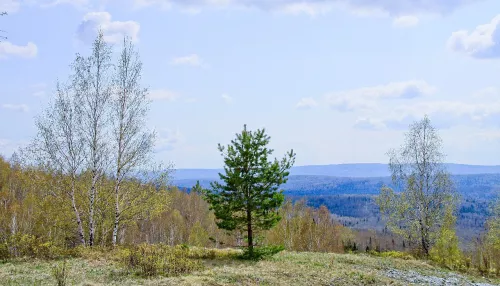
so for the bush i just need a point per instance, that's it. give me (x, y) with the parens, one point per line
(262, 252)
(210, 253)
(24, 245)
(60, 273)
(152, 260)
(4, 251)
(446, 251)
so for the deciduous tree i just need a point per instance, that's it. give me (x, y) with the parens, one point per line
(418, 172)
(60, 145)
(92, 83)
(132, 142)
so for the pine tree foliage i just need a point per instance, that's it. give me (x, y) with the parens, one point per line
(248, 198)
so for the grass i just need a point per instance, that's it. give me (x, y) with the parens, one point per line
(221, 268)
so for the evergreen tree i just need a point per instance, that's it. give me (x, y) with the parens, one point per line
(248, 199)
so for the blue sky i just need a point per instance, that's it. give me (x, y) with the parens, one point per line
(336, 80)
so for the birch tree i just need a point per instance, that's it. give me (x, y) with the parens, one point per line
(129, 109)
(59, 144)
(92, 82)
(425, 187)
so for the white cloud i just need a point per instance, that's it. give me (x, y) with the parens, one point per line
(9, 6)
(16, 107)
(488, 135)
(8, 147)
(113, 31)
(488, 92)
(8, 49)
(306, 103)
(36, 90)
(367, 98)
(227, 99)
(12, 6)
(190, 100)
(311, 9)
(368, 124)
(168, 140)
(77, 3)
(163, 94)
(405, 21)
(39, 93)
(164, 4)
(444, 113)
(314, 7)
(190, 60)
(482, 42)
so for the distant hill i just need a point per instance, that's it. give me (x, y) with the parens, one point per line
(347, 190)
(362, 170)
(481, 186)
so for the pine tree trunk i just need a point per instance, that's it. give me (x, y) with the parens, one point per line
(250, 232)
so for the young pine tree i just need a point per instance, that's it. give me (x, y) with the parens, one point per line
(248, 199)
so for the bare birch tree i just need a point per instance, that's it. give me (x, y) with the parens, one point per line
(425, 187)
(132, 143)
(93, 89)
(59, 143)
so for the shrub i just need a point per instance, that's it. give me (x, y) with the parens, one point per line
(60, 273)
(446, 251)
(4, 251)
(24, 245)
(262, 252)
(153, 260)
(211, 253)
(393, 254)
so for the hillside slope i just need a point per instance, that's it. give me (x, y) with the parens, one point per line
(287, 268)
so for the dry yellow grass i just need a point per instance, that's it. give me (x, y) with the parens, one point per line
(286, 268)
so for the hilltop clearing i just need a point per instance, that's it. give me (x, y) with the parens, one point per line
(286, 268)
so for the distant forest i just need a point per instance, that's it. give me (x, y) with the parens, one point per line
(477, 186)
(352, 200)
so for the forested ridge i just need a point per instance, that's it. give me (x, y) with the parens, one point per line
(473, 186)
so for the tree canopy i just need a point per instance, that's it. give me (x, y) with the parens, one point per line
(425, 187)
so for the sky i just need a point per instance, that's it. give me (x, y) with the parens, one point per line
(338, 81)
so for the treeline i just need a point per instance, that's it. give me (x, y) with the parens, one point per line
(35, 202)
(36, 209)
(361, 212)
